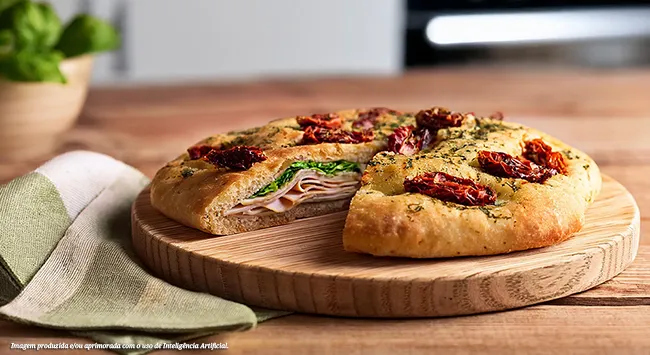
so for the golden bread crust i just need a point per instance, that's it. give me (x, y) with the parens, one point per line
(197, 194)
(385, 221)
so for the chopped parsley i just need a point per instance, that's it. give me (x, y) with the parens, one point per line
(268, 139)
(512, 185)
(452, 205)
(414, 207)
(405, 117)
(484, 127)
(488, 212)
(187, 172)
(328, 168)
(456, 148)
(570, 155)
(235, 142)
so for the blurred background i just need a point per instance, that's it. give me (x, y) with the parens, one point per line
(173, 41)
(189, 68)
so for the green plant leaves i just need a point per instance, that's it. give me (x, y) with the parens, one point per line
(28, 32)
(33, 42)
(36, 27)
(5, 4)
(86, 34)
(6, 43)
(33, 67)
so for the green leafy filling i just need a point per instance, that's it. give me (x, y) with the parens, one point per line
(329, 168)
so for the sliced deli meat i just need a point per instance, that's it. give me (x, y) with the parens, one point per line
(306, 186)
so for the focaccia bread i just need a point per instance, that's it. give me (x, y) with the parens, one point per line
(464, 196)
(322, 177)
(435, 183)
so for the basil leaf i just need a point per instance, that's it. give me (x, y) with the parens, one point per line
(328, 168)
(33, 67)
(6, 43)
(5, 4)
(87, 34)
(34, 26)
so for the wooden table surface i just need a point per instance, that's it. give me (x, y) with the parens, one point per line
(605, 113)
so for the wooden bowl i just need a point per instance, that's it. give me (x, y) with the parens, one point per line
(33, 115)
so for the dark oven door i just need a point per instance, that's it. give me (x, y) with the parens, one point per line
(456, 32)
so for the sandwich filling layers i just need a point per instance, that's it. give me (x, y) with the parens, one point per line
(302, 182)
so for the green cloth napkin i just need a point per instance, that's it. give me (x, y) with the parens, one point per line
(66, 260)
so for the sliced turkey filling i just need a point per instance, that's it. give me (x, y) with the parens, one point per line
(306, 186)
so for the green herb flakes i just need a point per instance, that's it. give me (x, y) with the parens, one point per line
(187, 172)
(490, 213)
(512, 185)
(414, 207)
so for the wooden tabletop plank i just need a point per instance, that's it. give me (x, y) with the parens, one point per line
(609, 318)
(520, 92)
(536, 330)
(540, 329)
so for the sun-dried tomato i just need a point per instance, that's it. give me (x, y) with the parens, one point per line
(542, 154)
(407, 140)
(438, 118)
(425, 137)
(328, 120)
(368, 119)
(199, 151)
(505, 165)
(451, 189)
(403, 141)
(316, 135)
(368, 122)
(497, 116)
(236, 158)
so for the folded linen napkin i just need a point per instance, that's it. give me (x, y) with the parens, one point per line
(66, 260)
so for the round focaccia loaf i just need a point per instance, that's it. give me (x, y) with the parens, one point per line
(385, 220)
(197, 193)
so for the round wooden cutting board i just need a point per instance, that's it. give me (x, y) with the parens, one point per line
(302, 266)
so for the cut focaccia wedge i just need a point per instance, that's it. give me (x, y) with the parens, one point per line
(283, 171)
(444, 201)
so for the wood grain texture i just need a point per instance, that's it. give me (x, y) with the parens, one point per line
(550, 328)
(535, 330)
(302, 266)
